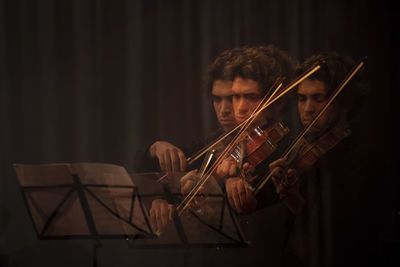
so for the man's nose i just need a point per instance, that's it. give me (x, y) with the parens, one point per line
(226, 106)
(242, 106)
(309, 106)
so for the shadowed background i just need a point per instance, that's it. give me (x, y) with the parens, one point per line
(97, 80)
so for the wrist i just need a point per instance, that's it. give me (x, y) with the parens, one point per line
(152, 149)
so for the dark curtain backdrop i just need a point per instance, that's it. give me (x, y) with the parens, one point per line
(96, 80)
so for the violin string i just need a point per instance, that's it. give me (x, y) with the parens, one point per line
(306, 129)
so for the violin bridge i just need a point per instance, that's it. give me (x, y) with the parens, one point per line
(272, 145)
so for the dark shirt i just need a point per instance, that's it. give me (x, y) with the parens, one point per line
(337, 226)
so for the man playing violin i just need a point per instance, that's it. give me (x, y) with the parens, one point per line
(327, 201)
(253, 73)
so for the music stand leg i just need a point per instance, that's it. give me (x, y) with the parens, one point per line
(96, 246)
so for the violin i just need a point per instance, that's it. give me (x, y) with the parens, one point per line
(259, 143)
(309, 153)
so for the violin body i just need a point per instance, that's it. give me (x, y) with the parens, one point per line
(258, 144)
(261, 143)
(308, 153)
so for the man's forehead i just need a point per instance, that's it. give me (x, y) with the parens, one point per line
(222, 88)
(312, 87)
(245, 86)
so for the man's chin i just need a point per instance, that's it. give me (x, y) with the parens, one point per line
(228, 127)
(306, 122)
(227, 124)
(240, 120)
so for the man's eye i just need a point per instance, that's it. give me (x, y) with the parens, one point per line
(320, 98)
(229, 98)
(301, 98)
(216, 99)
(253, 97)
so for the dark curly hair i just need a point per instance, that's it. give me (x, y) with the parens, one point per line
(334, 68)
(263, 64)
(217, 70)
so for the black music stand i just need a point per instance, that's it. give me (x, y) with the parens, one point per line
(194, 228)
(83, 201)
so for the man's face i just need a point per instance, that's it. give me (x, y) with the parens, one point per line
(311, 98)
(246, 97)
(222, 100)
